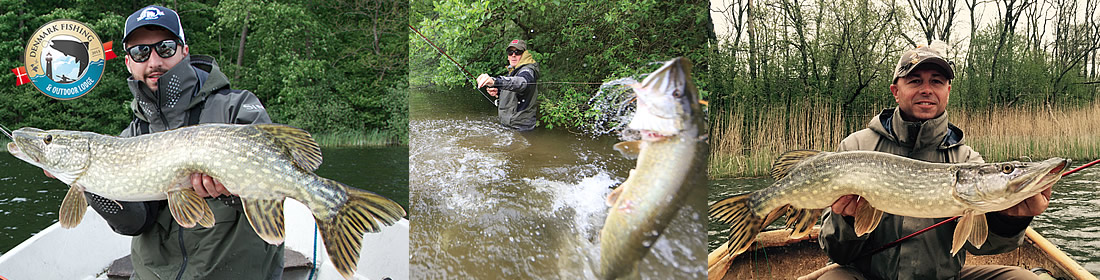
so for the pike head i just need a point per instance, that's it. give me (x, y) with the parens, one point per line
(668, 102)
(998, 186)
(65, 154)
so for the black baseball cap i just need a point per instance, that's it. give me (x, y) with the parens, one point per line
(154, 15)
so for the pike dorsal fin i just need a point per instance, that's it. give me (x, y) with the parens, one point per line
(72, 207)
(783, 164)
(298, 142)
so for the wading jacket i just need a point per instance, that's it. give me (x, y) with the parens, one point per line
(194, 91)
(518, 103)
(925, 256)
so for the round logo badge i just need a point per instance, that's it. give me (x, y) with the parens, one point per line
(64, 59)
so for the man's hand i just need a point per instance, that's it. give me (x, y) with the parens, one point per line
(847, 205)
(493, 91)
(1030, 207)
(206, 186)
(484, 80)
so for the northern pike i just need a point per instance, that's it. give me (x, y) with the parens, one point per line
(263, 164)
(671, 163)
(810, 181)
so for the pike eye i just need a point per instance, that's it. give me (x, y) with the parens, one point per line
(1007, 168)
(48, 139)
(678, 93)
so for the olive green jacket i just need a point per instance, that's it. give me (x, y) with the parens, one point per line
(230, 249)
(518, 104)
(925, 256)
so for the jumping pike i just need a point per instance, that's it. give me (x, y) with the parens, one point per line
(808, 181)
(672, 159)
(263, 164)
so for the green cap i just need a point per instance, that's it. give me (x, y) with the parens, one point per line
(518, 44)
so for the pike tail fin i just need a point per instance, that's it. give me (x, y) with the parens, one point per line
(363, 212)
(744, 223)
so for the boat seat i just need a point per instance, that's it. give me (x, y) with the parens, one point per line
(122, 268)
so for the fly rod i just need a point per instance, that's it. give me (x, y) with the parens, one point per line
(460, 67)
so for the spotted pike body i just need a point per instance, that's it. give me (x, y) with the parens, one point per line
(262, 164)
(809, 182)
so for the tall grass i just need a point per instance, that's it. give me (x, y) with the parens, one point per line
(747, 148)
(358, 138)
(1033, 132)
(741, 148)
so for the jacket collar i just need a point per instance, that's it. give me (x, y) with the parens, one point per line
(935, 133)
(183, 87)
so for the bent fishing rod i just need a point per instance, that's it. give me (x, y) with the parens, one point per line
(469, 77)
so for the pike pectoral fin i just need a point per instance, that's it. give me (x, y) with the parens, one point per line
(867, 219)
(801, 221)
(266, 218)
(73, 207)
(784, 162)
(744, 224)
(971, 227)
(298, 142)
(188, 208)
(979, 231)
(629, 149)
(614, 196)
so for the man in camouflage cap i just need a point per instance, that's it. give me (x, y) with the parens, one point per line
(917, 128)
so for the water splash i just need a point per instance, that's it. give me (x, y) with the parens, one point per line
(611, 108)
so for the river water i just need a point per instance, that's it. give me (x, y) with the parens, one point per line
(1072, 221)
(491, 203)
(29, 200)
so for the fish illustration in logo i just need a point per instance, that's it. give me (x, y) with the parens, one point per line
(77, 50)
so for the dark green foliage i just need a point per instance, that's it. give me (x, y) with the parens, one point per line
(325, 66)
(590, 41)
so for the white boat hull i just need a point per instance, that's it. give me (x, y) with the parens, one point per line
(86, 251)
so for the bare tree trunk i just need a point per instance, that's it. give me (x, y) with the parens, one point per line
(240, 46)
(1011, 16)
(935, 17)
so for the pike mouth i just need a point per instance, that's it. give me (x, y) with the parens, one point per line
(15, 151)
(1047, 179)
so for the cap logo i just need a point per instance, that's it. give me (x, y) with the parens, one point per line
(515, 41)
(150, 14)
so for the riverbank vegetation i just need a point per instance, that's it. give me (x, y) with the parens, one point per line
(329, 67)
(579, 43)
(799, 75)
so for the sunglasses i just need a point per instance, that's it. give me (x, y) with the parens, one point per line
(141, 53)
(514, 52)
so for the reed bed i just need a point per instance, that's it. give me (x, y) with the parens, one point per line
(354, 139)
(741, 151)
(743, 148)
